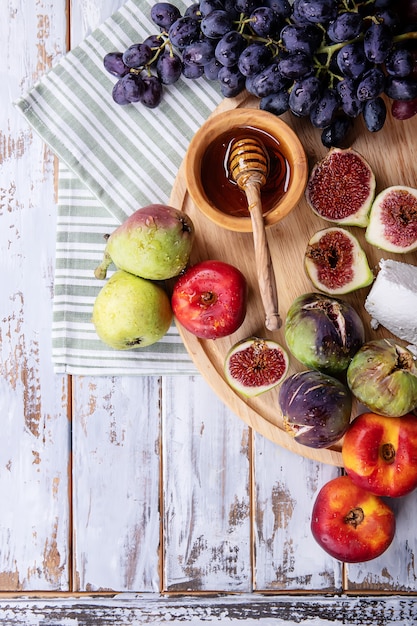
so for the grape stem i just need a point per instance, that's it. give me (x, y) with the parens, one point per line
(330, 50)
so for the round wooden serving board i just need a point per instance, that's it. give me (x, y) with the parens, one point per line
(392, 155)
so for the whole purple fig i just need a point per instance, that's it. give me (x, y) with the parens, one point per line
(316, 408)
(323, 332)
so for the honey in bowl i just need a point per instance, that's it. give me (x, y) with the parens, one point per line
(217, 180)
(218, 195)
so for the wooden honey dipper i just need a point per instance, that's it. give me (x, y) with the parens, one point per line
(249, 167)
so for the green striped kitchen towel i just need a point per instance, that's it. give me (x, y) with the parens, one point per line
(113, 159)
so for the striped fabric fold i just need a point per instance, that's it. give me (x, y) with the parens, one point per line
(112, 160)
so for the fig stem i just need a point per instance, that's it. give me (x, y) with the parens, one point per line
(355, 517)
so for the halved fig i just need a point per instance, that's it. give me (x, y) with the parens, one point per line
(254, 366)
(341, 188)
(393, 220)
(335, 262)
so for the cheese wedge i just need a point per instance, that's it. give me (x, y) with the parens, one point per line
(392, 300)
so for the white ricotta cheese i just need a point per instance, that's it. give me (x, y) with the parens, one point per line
(392, 300)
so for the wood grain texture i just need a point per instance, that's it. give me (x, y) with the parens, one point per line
(287, 243)
(206, 487)
(34, 447)
(250, 609)
(116, 489)
(286, 557)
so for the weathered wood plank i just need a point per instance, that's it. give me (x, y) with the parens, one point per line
(34, 447)
(86, 15)
(248, 609)
(286, 555)
(116, 430)
(206, 467)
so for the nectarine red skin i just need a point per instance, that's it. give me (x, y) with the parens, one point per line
(210, 299)
(380, 453)
(351, 524)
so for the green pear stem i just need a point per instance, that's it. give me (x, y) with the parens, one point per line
(101, 270)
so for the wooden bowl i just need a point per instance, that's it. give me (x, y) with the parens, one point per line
(205, 165)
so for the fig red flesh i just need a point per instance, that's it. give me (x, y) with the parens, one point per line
(341, 187)
(255, 365)
(335, 261)
(393, 220)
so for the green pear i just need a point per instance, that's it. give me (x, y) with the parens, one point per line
(131, 312)
(154, 242)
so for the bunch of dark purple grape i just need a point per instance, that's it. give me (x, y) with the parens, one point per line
(327, 60)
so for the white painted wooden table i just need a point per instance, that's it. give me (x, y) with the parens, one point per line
(134, 500)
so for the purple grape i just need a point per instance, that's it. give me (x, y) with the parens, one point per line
(323, 112)
(184, 31)
(374, 114)
(352, 60)
(163, 14)
(154, 42)
(294, 65)
(247, 6)
(281, 7)
(268, 81)
(399, 63)
(349, 101)
(216, 24)
(230, 7)
(317, 11)
(193, 11)
(137, 55)
(389, 18)
(113, 62)
(229, 48)
(152, 94)
(192, 71)
(118, 93)
(276, 103)
(198, 53)
(304, 95)
(377, 42)
(207, 6)
(133, 86)
(254, 58)
(232, 81)
(404, 109)
(345, 26)
(211, 69)
(169, 68)
(336, 133)
(300, 38)
(371, 85)
(401, 88)
(264, 22)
